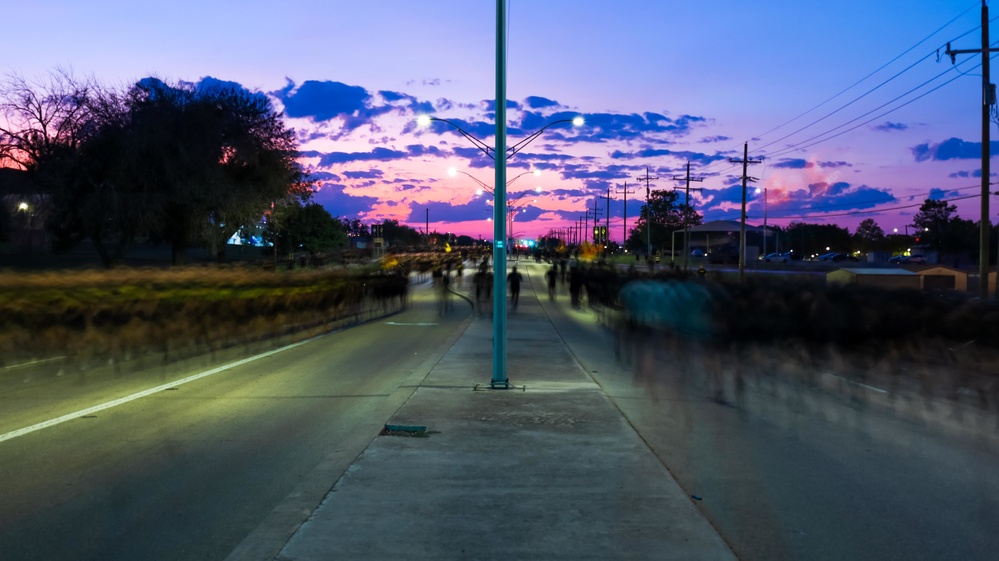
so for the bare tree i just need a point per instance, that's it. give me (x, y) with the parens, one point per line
(40, 120)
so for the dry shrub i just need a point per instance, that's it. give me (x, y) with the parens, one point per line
(125, 311)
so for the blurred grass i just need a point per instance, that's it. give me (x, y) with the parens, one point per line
(124, 312)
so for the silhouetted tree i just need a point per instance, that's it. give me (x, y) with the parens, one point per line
(666, 214)
(314, 230)
(400, 235)
(186, 165)
(869, 235)
(937, 226)
(219, 156)
(813, 239)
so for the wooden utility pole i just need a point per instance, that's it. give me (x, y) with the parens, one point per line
(624, 228)
(686, 223)
(745, 161)
(648, 212)
(988, 100)
(606, 236)
(596, 215)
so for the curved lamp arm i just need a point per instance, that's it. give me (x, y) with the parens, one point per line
(576, 121)
(482, 184)
(488, 150)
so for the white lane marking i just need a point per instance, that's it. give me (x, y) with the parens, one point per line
(144, 393)
(854, 382)
(418, 323)
(30, 362)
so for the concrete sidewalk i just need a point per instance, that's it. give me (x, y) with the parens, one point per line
(552, 471)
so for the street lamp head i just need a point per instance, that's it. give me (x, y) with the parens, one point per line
(577, 121)
(452, 171)
(22, 207)
(423, 121)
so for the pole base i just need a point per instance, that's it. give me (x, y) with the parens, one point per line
(498, 385)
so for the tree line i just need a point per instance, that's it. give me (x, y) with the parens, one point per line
(936, 226)
(178, 164)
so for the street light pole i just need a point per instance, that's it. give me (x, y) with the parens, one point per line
(499, 155)
(499, 378)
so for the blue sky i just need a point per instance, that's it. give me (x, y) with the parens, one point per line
(659, 82)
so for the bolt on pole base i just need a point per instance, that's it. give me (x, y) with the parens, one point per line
(498, 385)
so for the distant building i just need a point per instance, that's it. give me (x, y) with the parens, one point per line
(940, 277)
(26, 212)
(883, 278)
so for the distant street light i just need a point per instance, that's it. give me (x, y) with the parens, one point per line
(453, 172)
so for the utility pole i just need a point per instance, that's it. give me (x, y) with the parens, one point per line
(745, 161)
(606, 236)
(648, 212)
(624, 228)
(686, 223)
(988, 100)
(596, 215)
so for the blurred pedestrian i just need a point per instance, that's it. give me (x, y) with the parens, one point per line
(514, 279)
(575, 284)
(552, 277)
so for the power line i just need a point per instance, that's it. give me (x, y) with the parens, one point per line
(879, 69)
(800, 146)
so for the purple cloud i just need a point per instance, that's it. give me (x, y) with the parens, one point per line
(950, 149)
(889, 126)
(378, 154)
(370, 174)
(794, 163)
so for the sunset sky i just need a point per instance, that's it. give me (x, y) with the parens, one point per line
(852, 105)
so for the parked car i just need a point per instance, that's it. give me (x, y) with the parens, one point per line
(907, 259)
(837, 257)
(777, 257)
(697, 253)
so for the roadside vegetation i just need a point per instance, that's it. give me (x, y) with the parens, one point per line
(127, 313)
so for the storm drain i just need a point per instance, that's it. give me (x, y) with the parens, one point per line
(416, 431)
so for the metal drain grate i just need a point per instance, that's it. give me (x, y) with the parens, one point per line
(418, 431)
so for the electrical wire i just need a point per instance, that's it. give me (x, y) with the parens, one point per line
(791, 148)
(807, 142)
(879, 69)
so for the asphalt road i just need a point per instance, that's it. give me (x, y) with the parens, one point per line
(189, 471)
(787, 472)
